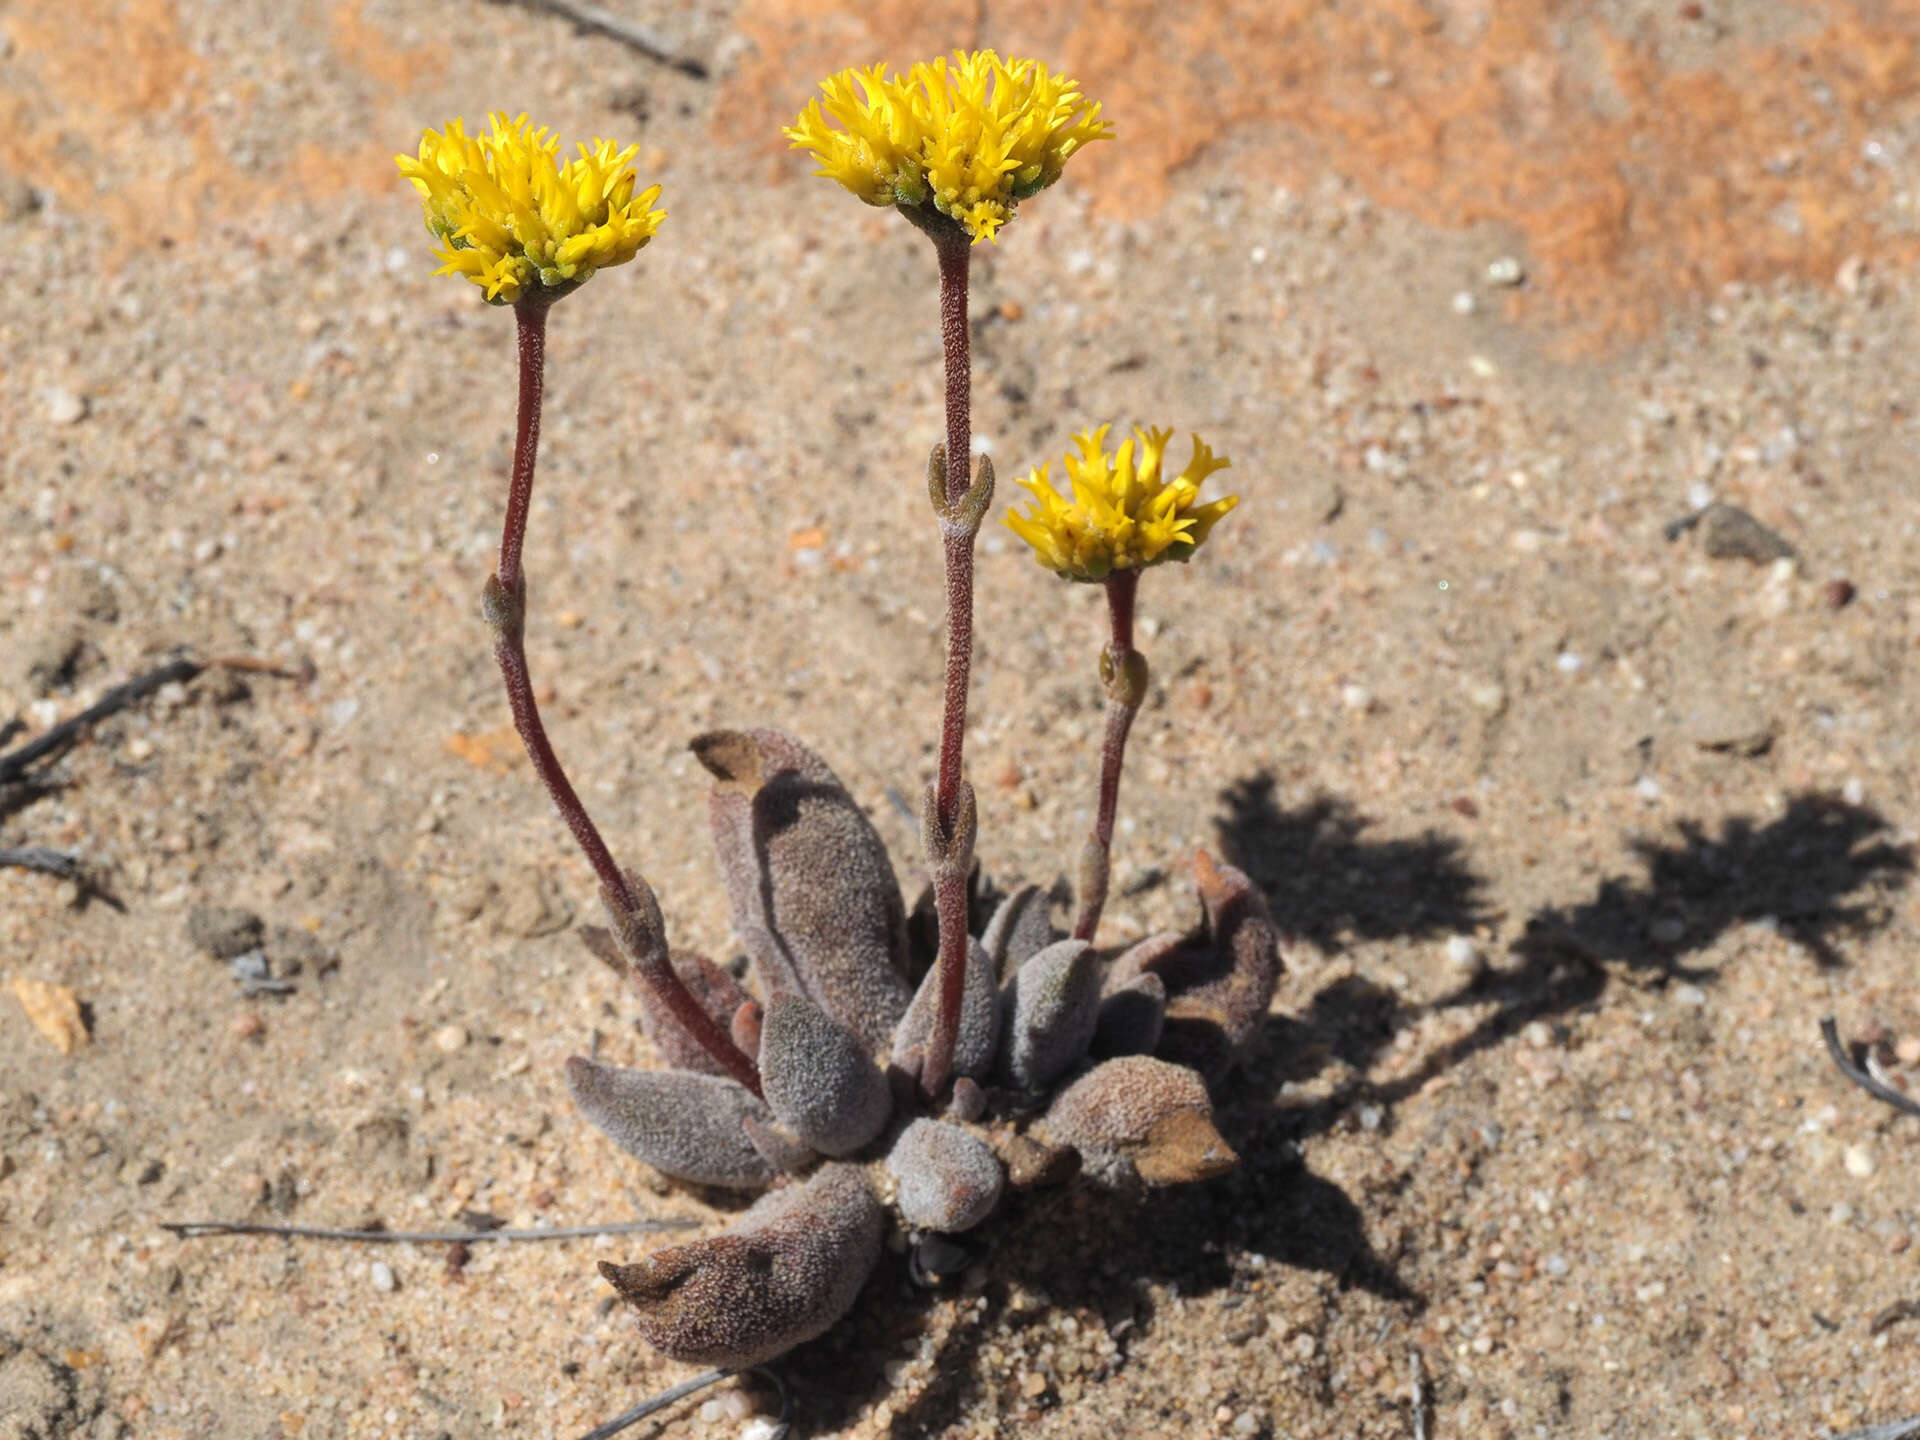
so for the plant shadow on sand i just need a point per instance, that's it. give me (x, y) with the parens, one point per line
(1822, 871)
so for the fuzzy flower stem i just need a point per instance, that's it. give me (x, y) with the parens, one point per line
(1125, 672)
(506, 612)
(954, 257)
(950, 883)
(530, 316)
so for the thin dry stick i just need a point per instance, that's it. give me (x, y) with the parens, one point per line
(1908, 1429)
(592, 20)
(1417, 1371)
(201, 1229)
(688, 1387)
(506, 608)
(15, 763)
(42, 859)
(1843, 1062)
(1123, 670)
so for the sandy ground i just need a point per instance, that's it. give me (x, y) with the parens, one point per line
(1578, 827)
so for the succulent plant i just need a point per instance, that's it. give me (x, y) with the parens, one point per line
(793, 1263)
(1022, 1055)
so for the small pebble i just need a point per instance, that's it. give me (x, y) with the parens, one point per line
(1841, 1214)
(223, 933)
(1356, 698)
(449, 1038)
(1539, 1035)
(1463, 954)
(1464, 303)
(1507, 270)
(1907, 1052)
(382, 1274)
(1647, 788)
(1690, 995)
(1569, 663)
(1859, 1161)
(1729, 533)
(1853, 792)
(250, 965)
(1489, 696)
(1557, 1266)
(1838, 594)
(64, 407)
(761, 1427)
(1033, 1385)
(247, 1026)
(1667, 929)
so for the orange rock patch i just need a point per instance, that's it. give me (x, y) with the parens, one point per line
(1631, 180)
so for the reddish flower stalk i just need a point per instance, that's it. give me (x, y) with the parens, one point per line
(1123, 670)
(949, 850)
(635, 914)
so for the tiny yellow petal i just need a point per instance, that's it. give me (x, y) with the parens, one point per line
(1123, 514)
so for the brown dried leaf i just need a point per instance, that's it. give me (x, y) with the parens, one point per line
(54, 1011)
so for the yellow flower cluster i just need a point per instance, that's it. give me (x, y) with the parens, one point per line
(508, 215)
(1123, 515)
(973, 136)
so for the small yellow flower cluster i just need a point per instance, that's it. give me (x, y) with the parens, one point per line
(509, 215)
(973, 136)
(1122, 516)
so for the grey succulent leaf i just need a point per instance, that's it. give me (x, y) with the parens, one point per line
(1137, 1117)
(1219, 980)
(973, 1047)
(945, 1178)
(685, 1125)
(818, 1078)
(1049, 1009)
(781, 1275)
(809, 886)
(1021, 928)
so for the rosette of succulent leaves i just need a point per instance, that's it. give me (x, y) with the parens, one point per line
(1068, 1065)
(886, 1067)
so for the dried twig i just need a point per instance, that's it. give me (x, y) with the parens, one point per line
(1417, 1372)
(40, 858)
(62, 866)
(659, 1402)
(1869, 1083)
(1893, 1315)
(199, 1229)
(592, 20)
(14, 764)
(1908, 1429)
(656, 1403)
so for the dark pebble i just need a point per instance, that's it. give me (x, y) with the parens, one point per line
(1839, 593)
(221, 933)
(292, 951)
(1729, 533)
